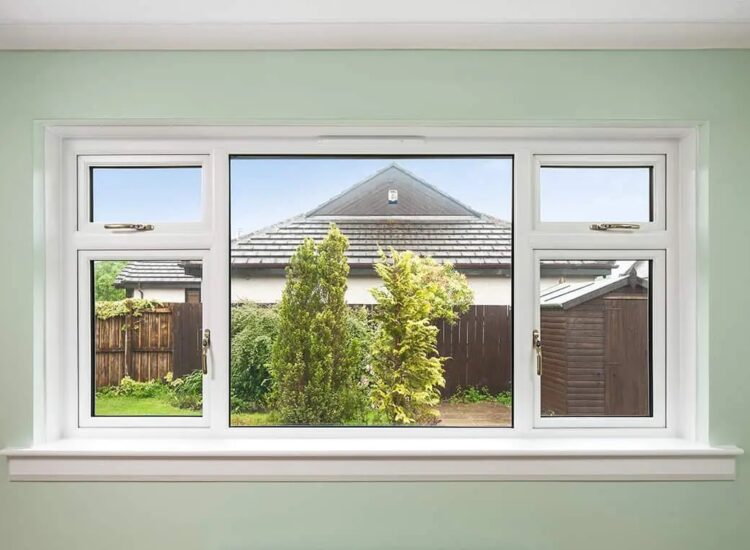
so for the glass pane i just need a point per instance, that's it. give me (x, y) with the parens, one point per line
(596, 338)
(595, 194)
(148, 194)
(146, 345)
(371, 291)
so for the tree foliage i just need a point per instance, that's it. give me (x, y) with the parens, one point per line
(105, 272)
(253, 330)
(407, 369)
(315, 362)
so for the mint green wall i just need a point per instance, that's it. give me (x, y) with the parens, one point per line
(383, 86)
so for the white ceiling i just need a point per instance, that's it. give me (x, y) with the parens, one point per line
(294, 24)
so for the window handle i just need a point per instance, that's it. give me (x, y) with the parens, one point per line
(133, 226)
(205, 344)
(537, 343)
(608, 226)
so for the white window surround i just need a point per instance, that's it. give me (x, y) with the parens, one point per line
(673, 444)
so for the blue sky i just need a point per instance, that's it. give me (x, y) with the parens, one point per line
(266, 191)
(147, 194)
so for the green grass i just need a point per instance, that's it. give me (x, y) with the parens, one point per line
(138, 406)
(473, 394)
(266, 419)
(252, 419)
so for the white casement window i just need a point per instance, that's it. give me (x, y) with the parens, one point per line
(179, 322)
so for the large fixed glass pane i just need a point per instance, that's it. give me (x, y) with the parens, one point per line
(595, 194)
(596, 338)
(146, 325)
(146, 194)
(371, 291)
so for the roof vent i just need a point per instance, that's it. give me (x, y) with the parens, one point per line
(393, 196)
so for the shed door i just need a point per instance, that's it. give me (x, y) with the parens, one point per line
(626, 355)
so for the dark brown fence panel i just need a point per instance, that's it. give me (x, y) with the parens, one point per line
(479, 349)
(187, 322)
(148, 346)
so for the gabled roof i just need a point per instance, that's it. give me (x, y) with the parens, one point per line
(369, 197)
(424, 220)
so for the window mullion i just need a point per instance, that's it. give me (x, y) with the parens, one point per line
(217, 284)
(523, 293)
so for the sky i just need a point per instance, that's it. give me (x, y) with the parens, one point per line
(265, 191)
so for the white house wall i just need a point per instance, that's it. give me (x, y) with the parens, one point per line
(173, 295)
(267, 290)
(487, 290)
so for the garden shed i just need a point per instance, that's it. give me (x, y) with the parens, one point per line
(596, 347)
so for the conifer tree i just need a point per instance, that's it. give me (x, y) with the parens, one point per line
(315, 362)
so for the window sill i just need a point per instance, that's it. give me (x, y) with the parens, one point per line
(371, 460)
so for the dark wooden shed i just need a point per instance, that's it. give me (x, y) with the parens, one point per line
(596, 347)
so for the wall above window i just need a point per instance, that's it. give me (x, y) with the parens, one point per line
(389, 24)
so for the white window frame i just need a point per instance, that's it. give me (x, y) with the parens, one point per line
(658, 328)
(657, 163)
(85, 367)
(674, 446)
(87, 162)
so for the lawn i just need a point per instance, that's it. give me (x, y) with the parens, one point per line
(251, 419)
(112, 405)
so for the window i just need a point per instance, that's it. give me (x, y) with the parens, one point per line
(147, 356)
(576, 191)
(340, 288)
(119, 193)
(395, 266)
(467, 286)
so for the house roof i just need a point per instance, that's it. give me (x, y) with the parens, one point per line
(156, 273)
(416, 197)
(466, 241)
(568, 295)
(423, 219)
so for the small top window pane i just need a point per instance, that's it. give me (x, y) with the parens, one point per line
(595, 194)
(146, 194)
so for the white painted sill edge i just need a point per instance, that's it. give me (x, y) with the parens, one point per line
(372, 460)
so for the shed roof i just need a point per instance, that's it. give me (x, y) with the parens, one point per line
(569, 295)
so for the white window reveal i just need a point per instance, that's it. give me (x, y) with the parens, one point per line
(296, 303)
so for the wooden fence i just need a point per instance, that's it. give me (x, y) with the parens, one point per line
(479, 345)
(168, 340)
(148, 347)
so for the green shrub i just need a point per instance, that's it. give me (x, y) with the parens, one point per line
(407, 369)
(315, 362)
(187, 392)
(120, 308)
(253, 329)
(479, 394)
(131, 388)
